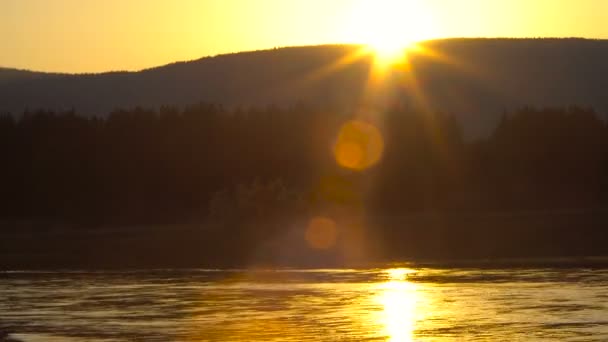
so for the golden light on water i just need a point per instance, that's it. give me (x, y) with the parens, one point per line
(398, 298)
(321, 233)
(359, 145)
(398, 274)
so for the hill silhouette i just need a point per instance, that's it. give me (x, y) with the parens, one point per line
(475, 79)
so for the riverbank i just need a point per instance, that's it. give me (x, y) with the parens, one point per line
(576, 237)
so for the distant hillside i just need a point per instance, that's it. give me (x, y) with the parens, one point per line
(475, 79)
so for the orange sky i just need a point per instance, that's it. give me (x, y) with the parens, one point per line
(102, 35)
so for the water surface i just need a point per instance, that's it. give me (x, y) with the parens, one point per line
(384, 304)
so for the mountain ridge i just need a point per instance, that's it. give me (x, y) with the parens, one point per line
(474, 79)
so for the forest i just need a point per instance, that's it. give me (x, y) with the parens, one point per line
(238, 168)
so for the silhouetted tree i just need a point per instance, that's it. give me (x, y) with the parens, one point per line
(162, 166)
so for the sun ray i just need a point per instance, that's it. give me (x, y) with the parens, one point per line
(392, 33)
(341, 63)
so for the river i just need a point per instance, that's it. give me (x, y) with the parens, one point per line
(380, 304)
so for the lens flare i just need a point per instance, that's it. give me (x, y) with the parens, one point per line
(321, 233)
(359, 145)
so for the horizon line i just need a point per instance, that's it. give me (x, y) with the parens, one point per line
(348, 44)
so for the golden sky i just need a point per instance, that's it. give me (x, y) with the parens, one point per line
(102, 35)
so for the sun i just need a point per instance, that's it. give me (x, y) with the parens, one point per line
(388, 50)
(389, 28)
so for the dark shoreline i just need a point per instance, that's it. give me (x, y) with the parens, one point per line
(575, 239)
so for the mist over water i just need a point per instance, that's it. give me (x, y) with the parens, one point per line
(382, 304)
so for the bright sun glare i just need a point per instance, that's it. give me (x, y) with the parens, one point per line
(398, 298)
(390, 27)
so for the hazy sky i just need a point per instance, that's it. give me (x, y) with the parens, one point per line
(101, 35)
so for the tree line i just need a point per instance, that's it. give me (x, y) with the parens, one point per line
(207, 162)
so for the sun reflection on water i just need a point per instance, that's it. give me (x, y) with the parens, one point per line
(398, 298)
